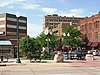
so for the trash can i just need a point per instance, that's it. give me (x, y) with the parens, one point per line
(89, 57)
(1, 58)
(58, 57)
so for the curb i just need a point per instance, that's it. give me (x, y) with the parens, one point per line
(3, 65)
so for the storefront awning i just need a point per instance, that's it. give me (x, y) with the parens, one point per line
(89, 43)
(95, 44)
(6, 42)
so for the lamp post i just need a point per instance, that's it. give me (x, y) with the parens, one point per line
(68, 54)
(48, 44)
(64, 34)
(46, 32)
(18, 59)
(68, 34)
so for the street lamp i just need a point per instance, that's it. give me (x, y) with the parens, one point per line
(46, 32)
(48, 44)
(68, 54)
(18, 59)
(68, 34)
(64, 34)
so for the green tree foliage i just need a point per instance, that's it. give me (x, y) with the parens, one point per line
(53, 40)
(42, 40)
(32, 47)
(73, 39)
(26, 44)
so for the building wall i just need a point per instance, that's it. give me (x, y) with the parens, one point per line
(52, 21)
(7, 51)
(8, 31)
(91, 27)
(2, 24)
(8, 27)
(58, 30)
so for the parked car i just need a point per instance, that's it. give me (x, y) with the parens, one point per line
(65, 55)
(98, 53)
(95, 52)
(79, 55)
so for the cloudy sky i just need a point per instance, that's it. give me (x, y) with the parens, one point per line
(34, 10)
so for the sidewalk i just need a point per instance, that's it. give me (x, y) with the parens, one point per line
(73, 63)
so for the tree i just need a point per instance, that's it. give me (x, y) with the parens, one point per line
(53, 40)
(42, 40)
(26, 45)
(33, 46)
(74, 37)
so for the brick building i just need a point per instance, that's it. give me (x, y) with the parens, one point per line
(8, 27)
(90, 26)
(58, 30)
(53, 21)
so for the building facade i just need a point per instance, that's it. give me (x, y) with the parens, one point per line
(58, 30)
(53, 21)
(6, 49)
(90, 27)
(8, 27)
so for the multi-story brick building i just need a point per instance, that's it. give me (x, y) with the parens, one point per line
(53, 21)
(8, 27)
(56, 23)
(58, 30)
(90, 27)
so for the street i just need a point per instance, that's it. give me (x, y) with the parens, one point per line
(48, 69)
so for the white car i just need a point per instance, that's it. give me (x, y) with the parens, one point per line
(94, 52)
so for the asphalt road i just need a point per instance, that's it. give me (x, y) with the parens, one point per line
(71, 67)
(48, 69)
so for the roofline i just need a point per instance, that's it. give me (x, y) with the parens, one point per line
(63, 16)
(13, 14)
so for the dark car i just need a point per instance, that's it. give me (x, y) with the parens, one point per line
(79, 55)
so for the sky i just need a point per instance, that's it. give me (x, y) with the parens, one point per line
(34, 10)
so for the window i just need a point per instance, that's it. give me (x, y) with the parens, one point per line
(96, 24)
(2, 26)
(96, 35)
(69, 20)
(22, 21)
(15, 20)
(14, 26)
(89, 35)
(11, 19)
(89, 26)
(56, 20)
(51, 20)
(11, 26)
(82, 28)
(60, 20)
(22, 34)
(11, 33)
(22, 27)
(2, 18)
(52, 26)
